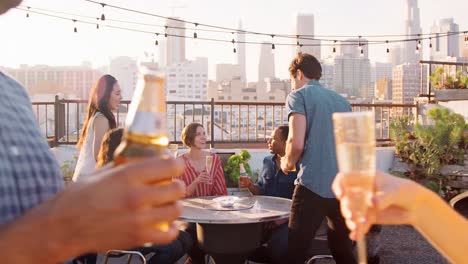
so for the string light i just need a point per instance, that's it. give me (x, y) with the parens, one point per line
(156, 42)
(272, 44)
(417, 48)
(466, 37)
(97, 23)
(75, 29)
(166, 34)
(430, 43)
(388, 50)
(103, 17)
(27, 13)
(334, 49)
(233, 45)
(195, 33)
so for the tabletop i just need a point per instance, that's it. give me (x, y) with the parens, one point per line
(253, 209)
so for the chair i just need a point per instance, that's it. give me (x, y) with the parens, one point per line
(460, 203)
(120, 253)
(319, 248)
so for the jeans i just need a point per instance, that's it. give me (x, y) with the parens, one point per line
(308, 210)
(275, 246)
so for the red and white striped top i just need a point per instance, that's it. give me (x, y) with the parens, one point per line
(218, 187)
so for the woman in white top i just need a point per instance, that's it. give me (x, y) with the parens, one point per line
(104, 98)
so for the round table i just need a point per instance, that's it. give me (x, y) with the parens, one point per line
(229, 236)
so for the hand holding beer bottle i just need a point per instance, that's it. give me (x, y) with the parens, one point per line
(145, 127)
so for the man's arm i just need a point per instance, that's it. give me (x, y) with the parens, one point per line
(295, 142)
(117, 209)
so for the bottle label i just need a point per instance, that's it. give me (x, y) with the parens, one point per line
(150, 123)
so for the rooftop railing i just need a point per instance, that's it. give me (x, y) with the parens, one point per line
(225, 122)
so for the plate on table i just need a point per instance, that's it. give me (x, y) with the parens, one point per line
(229, 203)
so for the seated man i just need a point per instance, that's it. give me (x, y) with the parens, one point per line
(273, 182)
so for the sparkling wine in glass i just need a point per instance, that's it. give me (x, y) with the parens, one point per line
(209, 165)
(355, 152)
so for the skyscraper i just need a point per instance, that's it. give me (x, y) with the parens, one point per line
(266, 65)
(406, 83)
(447, 46)
(125, 70)
(352, 70)
(175, 46)
(304, 25)
(241, 53)
(412, 28)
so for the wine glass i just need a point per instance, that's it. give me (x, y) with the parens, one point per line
(355, 151)
(209, 165)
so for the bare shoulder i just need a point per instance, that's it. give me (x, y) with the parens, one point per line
(101, 121)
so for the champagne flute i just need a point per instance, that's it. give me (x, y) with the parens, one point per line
(209, 165)
(355, 151)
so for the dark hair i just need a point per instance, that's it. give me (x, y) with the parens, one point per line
(99, 102)
(284, 132)
(189, 132)
(110, 142)
(308, 64)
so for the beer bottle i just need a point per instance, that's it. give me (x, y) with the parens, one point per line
(145, 133)
(243, 177)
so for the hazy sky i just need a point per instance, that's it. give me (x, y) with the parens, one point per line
(42, 40)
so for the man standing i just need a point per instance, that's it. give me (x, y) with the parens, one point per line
(273, 182)
(311, 145)
(41, 223)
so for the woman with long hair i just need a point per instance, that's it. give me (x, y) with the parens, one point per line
(104, 98)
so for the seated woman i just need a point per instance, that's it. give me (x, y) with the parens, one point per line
(199, 180)
(169, 253)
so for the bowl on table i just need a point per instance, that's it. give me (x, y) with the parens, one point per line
(226, 201)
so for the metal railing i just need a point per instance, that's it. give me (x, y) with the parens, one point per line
(224, 122)
(450, 68)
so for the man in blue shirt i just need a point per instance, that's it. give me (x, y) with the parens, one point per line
(273, 182)
(311, 146)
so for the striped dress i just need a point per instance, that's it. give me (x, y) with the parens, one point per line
(218, 187)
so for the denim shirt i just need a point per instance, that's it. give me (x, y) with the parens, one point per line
(273, 182)
(317, 166)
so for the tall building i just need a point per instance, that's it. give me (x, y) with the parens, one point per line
(228, 72)
(382, 70)
(327, 79)
(175, 46)
(125, 70)
(352, 70)
(241, 53)
(71, 81)
(304, 24)
(188, 80)
(447, 46)
(383, 88)
(406, 83)
(412, 28)
(463, 46)
(266, 65)
(396, 54)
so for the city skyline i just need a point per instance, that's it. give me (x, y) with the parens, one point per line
(98, 46)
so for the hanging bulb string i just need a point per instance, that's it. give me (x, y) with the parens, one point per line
(342, 43)
(247, 31)
(304, 37)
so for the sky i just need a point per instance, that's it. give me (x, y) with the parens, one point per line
(51, 41)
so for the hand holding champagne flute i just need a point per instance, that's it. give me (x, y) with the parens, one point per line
(209, 166)
(355, 150)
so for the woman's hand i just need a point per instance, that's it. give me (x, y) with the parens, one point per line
(204, 177)
(395, 201)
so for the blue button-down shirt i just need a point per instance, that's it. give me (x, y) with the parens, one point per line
(317, 166)
(273, 182)
(29, 173)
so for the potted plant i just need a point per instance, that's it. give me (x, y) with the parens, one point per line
(426, 149)
(232, 170)
(448, 87)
